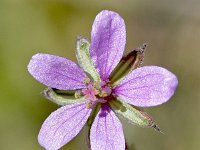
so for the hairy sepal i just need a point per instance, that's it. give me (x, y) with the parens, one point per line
(133, 114)
(129, 62)
(61, 98)
(83, 57)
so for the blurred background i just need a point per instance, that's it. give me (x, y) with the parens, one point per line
(172, 29)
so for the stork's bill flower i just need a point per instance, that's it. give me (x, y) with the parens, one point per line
(103, 84)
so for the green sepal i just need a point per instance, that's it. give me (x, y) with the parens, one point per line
(90, 120)
(133, 114)
(84, 59)
(128, 63)
(61, 98)
(93, 114)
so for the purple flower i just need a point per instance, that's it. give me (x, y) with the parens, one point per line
(97, 85)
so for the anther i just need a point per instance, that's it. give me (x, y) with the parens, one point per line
(89, 105)
(77, 94)
(86, 81)
(103, 94)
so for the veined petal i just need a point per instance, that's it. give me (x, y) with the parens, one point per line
(147, 86)
(63, 125)
(108, 38)
(84, 59)
(56, 72)
(106, 132)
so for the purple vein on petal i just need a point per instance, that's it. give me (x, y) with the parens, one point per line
(105, 125)
(136, 78)
(141, 97)
(67, 120)
(60, 115)
(105, 66)
(107, 41)
(147, 86)
(74, 79)
(103, 131)
(63, 122)
(77, 124)
(97, 128)
(56, 72)
(114, 123)
(117, 51)
(63, 125)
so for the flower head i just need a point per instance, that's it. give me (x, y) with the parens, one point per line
(103, 79)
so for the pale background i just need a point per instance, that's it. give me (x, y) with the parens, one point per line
(172, 29)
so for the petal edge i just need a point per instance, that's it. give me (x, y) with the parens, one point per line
(63, 125)
(108, 38)
(106, 131)
(147, 86)
(56, 72)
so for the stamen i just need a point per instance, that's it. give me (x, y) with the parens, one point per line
(97, 86)
(86, 81)
(96, 92)
(103, 93)
(107, 90)
(77, 94)
(89, 105)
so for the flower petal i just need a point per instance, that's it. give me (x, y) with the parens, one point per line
(56, 72)
(147, 86)
(63, 125)
(106, 132)
(108, 38)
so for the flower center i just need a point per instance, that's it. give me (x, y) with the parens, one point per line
(96, 92)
